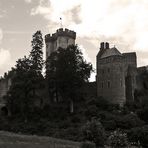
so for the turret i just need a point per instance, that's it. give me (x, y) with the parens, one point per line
(62, 38)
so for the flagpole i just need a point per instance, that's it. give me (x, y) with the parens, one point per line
(61, 25)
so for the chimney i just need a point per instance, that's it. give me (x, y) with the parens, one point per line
(102, 46)
(106, 45)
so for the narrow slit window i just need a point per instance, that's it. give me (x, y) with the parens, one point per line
(108, 84)
(108, 70)
(102, 85)
(121, 83)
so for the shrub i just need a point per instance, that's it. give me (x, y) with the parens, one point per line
(118, 139)
(139, 134)
(93, 131)
(129, 121)
(109, 124)
(142, 113)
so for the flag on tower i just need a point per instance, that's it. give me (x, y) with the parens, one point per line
(61, 23)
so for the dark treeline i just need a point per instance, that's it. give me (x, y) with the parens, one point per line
(52, 104)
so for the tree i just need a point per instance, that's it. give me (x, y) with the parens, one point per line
(27, 79)
(19, 94)
(66, 72)
(36, 54)
(37, 63)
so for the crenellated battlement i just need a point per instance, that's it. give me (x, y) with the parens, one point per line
(60, 32)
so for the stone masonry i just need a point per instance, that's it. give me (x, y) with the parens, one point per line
(116, 74)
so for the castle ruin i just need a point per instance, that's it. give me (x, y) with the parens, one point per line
(116, 74)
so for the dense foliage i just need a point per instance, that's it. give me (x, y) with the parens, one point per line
(118, 139)
(93, 131)
(26, 80)
(66, 72)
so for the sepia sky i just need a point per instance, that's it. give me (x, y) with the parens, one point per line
(123, 23)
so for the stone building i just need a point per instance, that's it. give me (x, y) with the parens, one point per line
(116, 74)
(62, 38)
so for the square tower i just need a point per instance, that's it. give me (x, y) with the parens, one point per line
(115, 74)
(62, 38)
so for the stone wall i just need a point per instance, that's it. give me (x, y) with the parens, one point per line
(116, 74)
(62, 38)
(4, 86)
(111, 79)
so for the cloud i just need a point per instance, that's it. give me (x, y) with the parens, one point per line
(43, 8)
(4, 56)
(122, 23)
(72, 15)
(87, 58)
(1, 35)
(40, 10)
(85, 54)
(28, 1)
(5, 61)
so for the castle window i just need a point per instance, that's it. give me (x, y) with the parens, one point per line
(120, 69)
(108, 70)
(102, 85)
(121, 83)
(103, 71)
(108, 84)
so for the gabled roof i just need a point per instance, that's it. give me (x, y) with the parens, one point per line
(111, 52)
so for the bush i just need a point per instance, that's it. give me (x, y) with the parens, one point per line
(118, 139)
(142, 113)
(139, 135)
(129, 121)
(109, 124)
(93, 131)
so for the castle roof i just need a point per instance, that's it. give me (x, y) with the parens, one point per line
(111, 52)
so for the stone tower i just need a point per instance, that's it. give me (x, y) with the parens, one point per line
(62, 38)
(115, 73)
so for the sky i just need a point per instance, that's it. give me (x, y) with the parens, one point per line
(123, 23)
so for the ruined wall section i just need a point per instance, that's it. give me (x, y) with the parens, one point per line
(130, 68)
(141, 72)
(131, 83)
(4, 87)
(130, 59)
